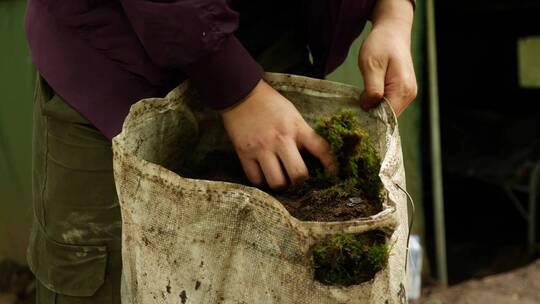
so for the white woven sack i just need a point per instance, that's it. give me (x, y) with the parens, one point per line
(197, 241)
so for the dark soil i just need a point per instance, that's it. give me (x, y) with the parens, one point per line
(313, 206)
(17, 283)
(304, 205)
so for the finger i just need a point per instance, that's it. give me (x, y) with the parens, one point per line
(272, 171)
(252, 170)
(318, 147)
(373, 71)
(293, 162)
(401, 88)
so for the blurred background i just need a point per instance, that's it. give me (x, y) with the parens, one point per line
(471, 144)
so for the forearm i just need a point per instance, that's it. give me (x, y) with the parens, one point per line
(396, 13)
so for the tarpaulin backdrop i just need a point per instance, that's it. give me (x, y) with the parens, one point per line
(16, 89)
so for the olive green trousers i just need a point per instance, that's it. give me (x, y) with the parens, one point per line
(75, 244)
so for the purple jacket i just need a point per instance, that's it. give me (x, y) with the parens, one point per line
(101, 56)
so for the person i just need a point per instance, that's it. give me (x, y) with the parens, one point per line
(96, 58)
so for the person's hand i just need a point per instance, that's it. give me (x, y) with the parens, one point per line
(267, 132)
(385, 57)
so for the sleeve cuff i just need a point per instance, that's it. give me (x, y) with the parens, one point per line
(226, 76)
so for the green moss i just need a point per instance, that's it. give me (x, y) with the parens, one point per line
(357, 159)
(358, 166)
(350, 259)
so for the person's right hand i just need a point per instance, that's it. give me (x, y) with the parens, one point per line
(266, 130)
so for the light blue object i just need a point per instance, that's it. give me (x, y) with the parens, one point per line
(414, 268)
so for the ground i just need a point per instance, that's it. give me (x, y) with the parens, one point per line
(518, 286)
(16, 283)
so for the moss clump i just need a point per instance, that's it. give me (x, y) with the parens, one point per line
(350, 259)
(357, 160)
(358, 176)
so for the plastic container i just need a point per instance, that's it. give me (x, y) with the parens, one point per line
(414, 268)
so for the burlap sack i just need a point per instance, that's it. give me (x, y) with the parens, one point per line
(198, 241)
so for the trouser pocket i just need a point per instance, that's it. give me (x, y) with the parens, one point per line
(71, 270)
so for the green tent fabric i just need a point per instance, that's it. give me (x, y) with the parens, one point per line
(16, 86)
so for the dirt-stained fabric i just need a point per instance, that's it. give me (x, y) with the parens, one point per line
(198, 241)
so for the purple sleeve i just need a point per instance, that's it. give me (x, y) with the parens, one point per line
(197, 36)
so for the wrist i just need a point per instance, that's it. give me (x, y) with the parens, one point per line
(255, 91)
(394, 14)
(394, 32)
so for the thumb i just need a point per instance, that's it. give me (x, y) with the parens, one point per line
(374, 73)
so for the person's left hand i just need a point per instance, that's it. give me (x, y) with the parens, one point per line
(386, 63)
